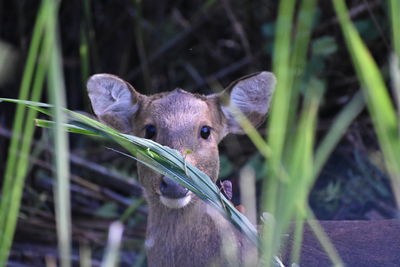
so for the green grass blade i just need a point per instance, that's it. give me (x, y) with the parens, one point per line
(305, 19)
(20, 113)
(381, 108)
(279, 107)
(287, 150)
(62, 184)
(252, 133)
(336, 131)
(278, 120)
(394, 7)
(27, 103)
(17, 161)
(68, 127)
(324, 240)
(293, 194)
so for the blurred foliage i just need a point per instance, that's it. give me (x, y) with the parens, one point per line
(352, 187)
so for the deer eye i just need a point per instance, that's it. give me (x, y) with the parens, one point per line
(205, 132)
(150, 131)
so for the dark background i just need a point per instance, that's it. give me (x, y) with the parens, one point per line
(161, 45)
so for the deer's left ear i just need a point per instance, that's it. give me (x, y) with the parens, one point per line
(251, 95)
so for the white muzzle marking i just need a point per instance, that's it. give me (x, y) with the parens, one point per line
(178, 203)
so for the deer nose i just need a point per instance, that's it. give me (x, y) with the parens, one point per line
(171, 189)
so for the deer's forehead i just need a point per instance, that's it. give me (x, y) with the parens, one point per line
(179, 107)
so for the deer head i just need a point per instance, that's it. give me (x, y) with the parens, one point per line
(182, 121)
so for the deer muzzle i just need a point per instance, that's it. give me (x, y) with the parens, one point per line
(171, 189)
(173, 195)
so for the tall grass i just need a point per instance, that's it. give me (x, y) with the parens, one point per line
(293, 163)
(382, 109)
(55, 83)
(291, 135)
(17, 160)
(43, 61)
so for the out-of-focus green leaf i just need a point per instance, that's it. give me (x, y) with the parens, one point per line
(108, 210)
(367, 29)
(324, 46)
(226, 167)
(268, 29)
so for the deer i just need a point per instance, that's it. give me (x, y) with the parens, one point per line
(183, 230)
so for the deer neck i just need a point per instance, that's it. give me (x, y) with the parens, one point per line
(163, 220)
(191, 236)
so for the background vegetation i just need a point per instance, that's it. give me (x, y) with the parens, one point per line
(160, 45)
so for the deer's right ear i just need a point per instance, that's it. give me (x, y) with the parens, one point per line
(251, 95)
(114, 101)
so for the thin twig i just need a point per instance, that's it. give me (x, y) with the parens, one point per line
(353, 12)
(238, 28)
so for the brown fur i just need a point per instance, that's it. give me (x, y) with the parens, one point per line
(359, 243)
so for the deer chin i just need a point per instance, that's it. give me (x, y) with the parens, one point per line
(176, 203)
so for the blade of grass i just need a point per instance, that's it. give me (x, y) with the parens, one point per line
(57, 96)
(324, 240)
(85, 255)
(395, 75)
(141, 257)
(394, 7)
(336, 131)
(69, 127)
(292, 200)
(381, 108)
(20, 113)
(17, 161)
(279, 107)
(131, 209)
(278, 121)
(84, 54)
(304, 22)
(298, 238)
(341, 123)
(252, 133)
(287, 66)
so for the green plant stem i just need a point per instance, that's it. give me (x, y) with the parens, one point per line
(17, 162)
(394, 6)
(301, 42)
(132, 208)
(279, 114)
(298, 236)
(336, 131)
(62, 184)
(324, 239)
(19, 115)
